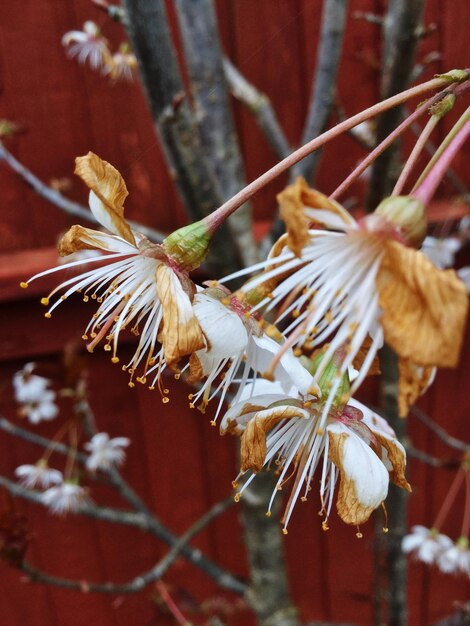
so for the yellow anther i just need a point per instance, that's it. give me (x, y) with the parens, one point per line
(285, 531)
(385, 529)
(190, 396)
(303, 499)
(48, 315)
(63, 298)
(152, 361)
(213, 423)
(359, 535)
(295, 313)
(115, 359)
(268, 513)
(325, 526)
(191, 405)
(131, 384)
(100, 299)
(92, 334)
(151, 388)
(177, 376)
(124, 368)
(84, 337)
(93, 296)
(246, 315)
(45, 301)
(236, 497)
(165, 400)
(24, 285)
(166, 391)
(234, 484)
(85, 298)
(107, 348)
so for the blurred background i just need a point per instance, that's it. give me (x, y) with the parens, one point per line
(176, 462)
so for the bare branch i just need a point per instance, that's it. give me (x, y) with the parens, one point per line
(60, 201)
(401, 28)
(268, 593)
(424, 457)
(260, 105)
(449, 440)
(203, 56)
(139, 582)
(143, 519)
(175, 124)
(324, 83)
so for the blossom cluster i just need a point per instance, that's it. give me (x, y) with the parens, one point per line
(90, 47)
(37, 401)
(288, 349)
(430, 546)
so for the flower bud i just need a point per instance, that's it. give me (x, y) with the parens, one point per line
(408, 215)
(188, 246)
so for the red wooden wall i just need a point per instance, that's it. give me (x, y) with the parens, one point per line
(176, 461)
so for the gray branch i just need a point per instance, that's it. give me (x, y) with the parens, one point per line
(142, 580)
(175, 124)
(449, 440)
(260, 106)
(203, 56)
(143, 519)
(401, 30)
(324, 83)
(268, 593)
(60, 201)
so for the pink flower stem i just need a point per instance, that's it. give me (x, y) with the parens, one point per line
(170, 604)
(415, 154)
(383, 145)
(429, 185)
(438, 153)
(449, 500)
(224, 211)
(466, 515)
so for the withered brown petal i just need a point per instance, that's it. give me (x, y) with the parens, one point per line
(253, 441)
(109, 191)
(413, 382)
(424, 308)
(180, 333)
(291, 210)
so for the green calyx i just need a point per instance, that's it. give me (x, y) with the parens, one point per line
(455, 76)
(188, 246)
(443, 107)
(329, 376)
(408, 215)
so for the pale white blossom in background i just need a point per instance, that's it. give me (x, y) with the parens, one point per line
(39, 475)
(122, 65)
(38, 403)
(87, 45)
(425, 543)
(64, 498)
(456, 559)
(441, 251)
(105, 452)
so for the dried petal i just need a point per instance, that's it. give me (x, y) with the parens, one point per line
(291, 210)
(358, 360)
(107, 195)
(363, 477)
(414, 380)
(424, 309)
(180, 333)
(253, 442)
(80, 238)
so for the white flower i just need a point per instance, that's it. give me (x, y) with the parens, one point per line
(137, 285)
(286, 433)
(455, 559)
(236, 344)
(29, 387)
(425, 543)
(122, 65)
(64, 498)
(441, 251)
(39, 475)
(43, 411)
(105, 452)
(89, 45)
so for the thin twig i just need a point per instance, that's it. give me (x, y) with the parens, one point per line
(203, 56)
(60, 201)
(324, 84)
(449, 440)
(260, 105)
(142, 580)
